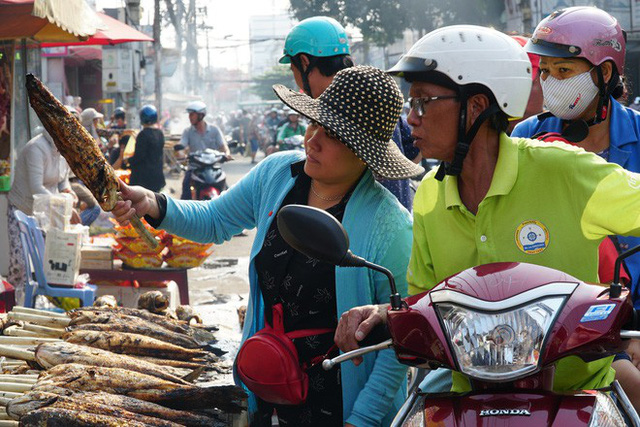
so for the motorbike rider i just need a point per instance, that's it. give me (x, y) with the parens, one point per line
(317, 48)
(199, 136)
(595, 71)
(497, 198)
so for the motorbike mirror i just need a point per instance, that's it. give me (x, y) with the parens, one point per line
(616, 288)
(319, 235)
(315, 233)
(178, 147)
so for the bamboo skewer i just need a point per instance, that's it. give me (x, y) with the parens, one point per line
(10, 340)
(46, 313)
(44, 330)
(15, 387)
(9, 394)
(16, 331)
(9, 423)
(17, 353)
(50, 321)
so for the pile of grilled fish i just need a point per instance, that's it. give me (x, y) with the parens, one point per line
(124, 366)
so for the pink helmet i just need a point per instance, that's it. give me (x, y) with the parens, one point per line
(580, 32)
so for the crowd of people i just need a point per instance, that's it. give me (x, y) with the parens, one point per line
(363, 145)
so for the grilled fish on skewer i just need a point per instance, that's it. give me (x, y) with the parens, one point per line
(68, 418)
(133, 344)
(53, 354)
(31, 401)
(130, 324)
(62, 378)
(80, 150)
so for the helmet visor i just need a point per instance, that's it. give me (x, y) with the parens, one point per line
(556, 50)
(285, 59)
(412, 64)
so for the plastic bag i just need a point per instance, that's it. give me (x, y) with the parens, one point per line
(53, 210)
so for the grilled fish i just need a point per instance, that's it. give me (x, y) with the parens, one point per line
(188, 313)
(62, 379)
(60, 353)
(98, 321)
(57, 417)
(132, 344)
(34, 400)
(80, 150)
(108, 301)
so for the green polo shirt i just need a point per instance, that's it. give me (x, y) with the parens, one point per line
(549, 204)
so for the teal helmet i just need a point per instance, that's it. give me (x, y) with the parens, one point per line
(318, 36)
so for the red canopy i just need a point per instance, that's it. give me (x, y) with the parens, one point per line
(115, 32)
(46, 20)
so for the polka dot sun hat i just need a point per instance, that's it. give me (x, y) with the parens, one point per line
(361, 108)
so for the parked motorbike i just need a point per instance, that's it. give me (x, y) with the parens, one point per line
(503, 325)
(208, 179)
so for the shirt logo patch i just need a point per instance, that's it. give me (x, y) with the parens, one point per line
(532, 237)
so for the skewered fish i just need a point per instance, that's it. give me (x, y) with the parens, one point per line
(80, 150)
(32, 401)
(60, 353)
(133, 344)
(74, 377)
(154, 301)
(121, 323)
(57, 417)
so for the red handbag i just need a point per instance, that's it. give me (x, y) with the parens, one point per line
(268, 363)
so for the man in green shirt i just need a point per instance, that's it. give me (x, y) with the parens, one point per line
(514, 199)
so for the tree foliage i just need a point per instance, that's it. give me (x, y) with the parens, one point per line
(383, 21)
(262, 85)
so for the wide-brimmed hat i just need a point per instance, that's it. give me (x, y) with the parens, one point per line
(361, 108)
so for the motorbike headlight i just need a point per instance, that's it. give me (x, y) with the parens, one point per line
(496, 346)
(605, 412)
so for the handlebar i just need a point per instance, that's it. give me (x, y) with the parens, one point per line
(330, 363)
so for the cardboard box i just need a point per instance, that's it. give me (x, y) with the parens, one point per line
(97, 253)
(62, 256)
(96, 264)
(127, 296)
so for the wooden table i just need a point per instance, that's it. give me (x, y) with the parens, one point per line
(178, 275)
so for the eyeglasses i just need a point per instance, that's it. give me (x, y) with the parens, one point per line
(417, 104)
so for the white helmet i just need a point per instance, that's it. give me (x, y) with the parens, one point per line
(461, 57)
(197, 107)
(469, 54)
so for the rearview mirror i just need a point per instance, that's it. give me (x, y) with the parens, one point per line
(314, 232)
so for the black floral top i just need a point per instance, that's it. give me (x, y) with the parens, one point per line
(306, 289)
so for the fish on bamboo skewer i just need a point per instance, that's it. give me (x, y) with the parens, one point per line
(80, 150)
(91, 313)
(94, 402)
(131, 344)
(70, 418)
(133, 325)
(63, 379)
(53, 354)
(96, 315)
(32, 401)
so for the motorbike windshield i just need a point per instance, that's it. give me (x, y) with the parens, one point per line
(499, 345)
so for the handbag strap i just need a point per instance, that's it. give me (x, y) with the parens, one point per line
(278, 326)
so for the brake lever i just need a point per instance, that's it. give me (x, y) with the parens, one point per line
(327, 364)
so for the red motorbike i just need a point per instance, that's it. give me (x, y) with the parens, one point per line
(503, 325)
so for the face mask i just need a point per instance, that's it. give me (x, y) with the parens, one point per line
(568, 98)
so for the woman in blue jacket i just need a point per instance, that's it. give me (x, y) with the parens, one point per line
(349, 140)
(582, 53)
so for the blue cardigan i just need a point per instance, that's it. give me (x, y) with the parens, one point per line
(624, 150)
(379, 229)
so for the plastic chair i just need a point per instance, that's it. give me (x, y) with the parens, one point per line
(33, 252)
